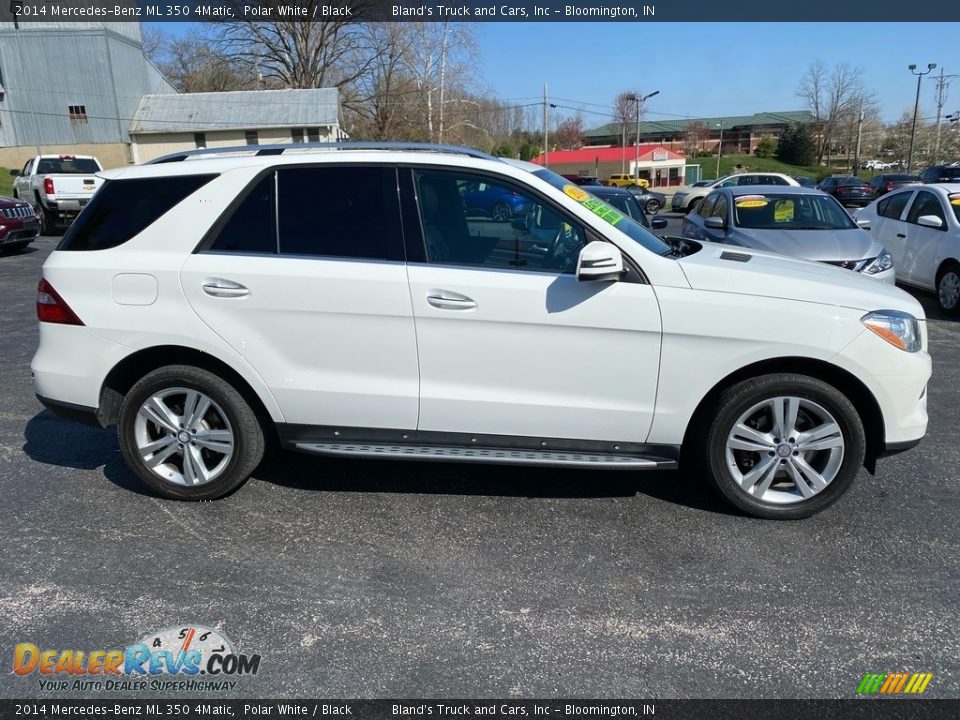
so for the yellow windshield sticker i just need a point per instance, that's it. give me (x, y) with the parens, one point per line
(751, 203)
(575, 192)
(783, 211)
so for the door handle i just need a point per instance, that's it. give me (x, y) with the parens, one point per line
(901, 235)
(446, 300)
(224, 289)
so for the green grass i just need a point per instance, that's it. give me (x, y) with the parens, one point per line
(708, 167)
(6, 182)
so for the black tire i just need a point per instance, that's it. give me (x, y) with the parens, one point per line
(652, 207)
(14, 247)
(693, 205)
(48, 222)
(739, 399)
(948, 302)
(249, 442)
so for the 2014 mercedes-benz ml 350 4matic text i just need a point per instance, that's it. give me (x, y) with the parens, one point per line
(347, 301)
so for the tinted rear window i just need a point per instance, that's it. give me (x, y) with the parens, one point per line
(121, 209)
(67, 166)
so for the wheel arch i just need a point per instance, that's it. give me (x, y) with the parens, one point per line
(944, 264)
(844, 381)
(134, 366)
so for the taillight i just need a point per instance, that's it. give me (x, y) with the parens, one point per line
(48, 185)
(51, 308)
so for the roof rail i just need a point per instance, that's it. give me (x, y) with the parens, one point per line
(280, 148)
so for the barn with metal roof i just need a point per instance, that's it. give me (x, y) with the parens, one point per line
(170, 123)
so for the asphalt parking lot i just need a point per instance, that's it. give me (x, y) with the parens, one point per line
(373, 579)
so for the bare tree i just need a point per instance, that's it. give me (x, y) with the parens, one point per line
(569, 133)
(833, 96)
(437, 60)
(694, 136)
(194, 64)
(298, 53)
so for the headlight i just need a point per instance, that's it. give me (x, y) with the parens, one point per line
(898, 328)
(679, 196)
(883, 261)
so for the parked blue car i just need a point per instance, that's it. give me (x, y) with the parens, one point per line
(491, 200)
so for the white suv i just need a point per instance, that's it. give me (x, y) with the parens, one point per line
(347, 302)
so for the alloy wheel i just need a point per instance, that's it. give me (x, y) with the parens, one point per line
(183, 436)
(785, 450)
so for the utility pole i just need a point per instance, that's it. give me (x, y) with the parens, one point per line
(916, 109)
(942, 86)
(856, 155)
(546, 142)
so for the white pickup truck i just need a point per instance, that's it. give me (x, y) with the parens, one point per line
(58, 187)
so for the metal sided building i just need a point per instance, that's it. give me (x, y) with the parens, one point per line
(73, 85)
(164, 124)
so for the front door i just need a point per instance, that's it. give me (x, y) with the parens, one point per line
(510, 343)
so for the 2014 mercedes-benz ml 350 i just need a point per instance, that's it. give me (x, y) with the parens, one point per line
(435, 303)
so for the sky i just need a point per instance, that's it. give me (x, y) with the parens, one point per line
(705, 69)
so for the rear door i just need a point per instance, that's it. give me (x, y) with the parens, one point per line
(305, 278)
(890, 230)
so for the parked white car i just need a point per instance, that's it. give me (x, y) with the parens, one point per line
(920, 226)
(687, 200)
(347, 304)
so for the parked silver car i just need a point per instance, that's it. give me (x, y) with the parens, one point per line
(796, 221)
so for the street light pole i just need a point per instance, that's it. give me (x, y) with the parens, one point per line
(719, 149)
(916, 109)
(636, 139)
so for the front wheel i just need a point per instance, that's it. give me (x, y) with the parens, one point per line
(652, 207)
(948, 290)
(783, 446)
(189, 434)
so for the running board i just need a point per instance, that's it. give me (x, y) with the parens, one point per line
(490, 455)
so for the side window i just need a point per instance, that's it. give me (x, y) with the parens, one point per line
(706, 207)
(473, 220)
(775, 180)
(26, 168)
(720, 208)
(746, 180)
(122, 209)
(252, 227)
(926, 203)
(348, 212)
(731, 182)
(892, 206)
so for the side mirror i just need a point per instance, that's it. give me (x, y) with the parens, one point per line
(15, 173)
(599, 261)
(865, 224)
(715, 222)
(658, 223)
(930, 221)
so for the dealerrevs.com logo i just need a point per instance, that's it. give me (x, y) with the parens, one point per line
(894, 683)
(188, 657)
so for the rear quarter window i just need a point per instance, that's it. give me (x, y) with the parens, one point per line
(122, 209)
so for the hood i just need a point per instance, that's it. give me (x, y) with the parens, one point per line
(822, 245)
(9, 202)
(769, 275)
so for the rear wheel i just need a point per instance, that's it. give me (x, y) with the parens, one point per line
(783, 446)
(48, 222)
(652, 207)
(188, 434)
(948, 289)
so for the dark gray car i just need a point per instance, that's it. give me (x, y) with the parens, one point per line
(795, 221)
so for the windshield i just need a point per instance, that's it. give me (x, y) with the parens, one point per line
(626, 204)
(67, 166)
(785, 211)
(625, 224)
